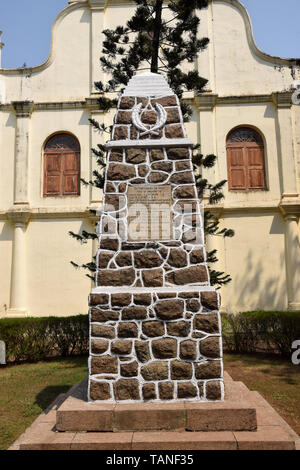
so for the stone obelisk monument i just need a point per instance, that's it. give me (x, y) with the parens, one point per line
(155, 330)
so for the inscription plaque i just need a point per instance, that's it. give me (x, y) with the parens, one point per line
(150, 213)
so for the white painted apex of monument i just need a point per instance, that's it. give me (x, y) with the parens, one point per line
(148, 84)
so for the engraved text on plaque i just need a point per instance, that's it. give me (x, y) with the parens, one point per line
(150, 213)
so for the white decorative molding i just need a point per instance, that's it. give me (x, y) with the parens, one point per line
(161, 118)
(153, 143)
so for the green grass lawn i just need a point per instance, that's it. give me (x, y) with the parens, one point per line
(26, 390)
(277, 380)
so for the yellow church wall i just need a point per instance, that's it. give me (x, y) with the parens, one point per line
(53, 285)
(255, 259)
(5, 264)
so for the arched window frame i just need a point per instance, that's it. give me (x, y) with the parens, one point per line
(62, 149)
(241, 142)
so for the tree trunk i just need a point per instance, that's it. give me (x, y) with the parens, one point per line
(156, 35)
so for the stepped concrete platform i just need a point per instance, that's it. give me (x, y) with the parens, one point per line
(215, 426)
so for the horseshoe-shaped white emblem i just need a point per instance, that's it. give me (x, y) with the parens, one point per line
(162, 118)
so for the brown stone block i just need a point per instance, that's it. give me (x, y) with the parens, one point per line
(173, 116)
(124, 259)
(127, 330)
(129, 370)
(120, 172)
(143, 170)
(116, 156)
(153, 328)
(165, 348)
(121, 347)
(99, 391)
(149, 392)
(98, 315)
(156, 370)
(186, 390)
(209, 300)
(126, 389)
(120, 277)
(177, 258)
(98, 299)
(189, 295)
(157, 177)
(163, 166)
(166, 390)
(114, 202)
(110, 188)
(213, 390)
(99, 346)
(149, 117)
(142, 351)
(135, 156)
(149, 416)
(193, 305)
(147, 259)
(192, 275)
(169, 309)
(127, 102)
(124, 117)
(188, 350)
(104, 365)
(120, 133)
(166, 101)
(103, 259)
(181, 328)
(101, 331)
(134, 313)
(142, 299)
(156, 154)
(210, 347)
(102, 441)
(184, 177)
(153, 278)
(108, 243)
(120, 300)
(207, 322)
(174, 131)
(185, 192)
(197, 256)
(208, 370)
(181, 370)
(178, 153)
(181, 166)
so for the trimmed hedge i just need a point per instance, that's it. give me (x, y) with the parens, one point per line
(268, 332)
(35, 339)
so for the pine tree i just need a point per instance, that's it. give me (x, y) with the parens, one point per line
(161, 37)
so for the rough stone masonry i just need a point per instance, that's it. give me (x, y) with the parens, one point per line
(155, 330)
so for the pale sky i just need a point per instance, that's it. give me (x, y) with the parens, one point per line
(26, 26)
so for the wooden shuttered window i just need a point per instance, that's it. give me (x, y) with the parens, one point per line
(245, 160)
(62, 166)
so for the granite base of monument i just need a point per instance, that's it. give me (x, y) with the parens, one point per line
(241, 410)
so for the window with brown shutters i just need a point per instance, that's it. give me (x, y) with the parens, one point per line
(62, 166)
(245, 160)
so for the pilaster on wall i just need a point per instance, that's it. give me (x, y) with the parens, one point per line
(95, 139)
(283, 103)
(291, 214)
(23, 110)
(19, 219)
(207, 130)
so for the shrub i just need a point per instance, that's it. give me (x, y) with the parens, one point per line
(34, 339)
(270, 332)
